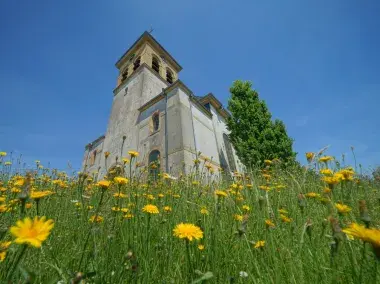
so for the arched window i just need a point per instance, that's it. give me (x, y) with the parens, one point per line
(169, 76)
(156, 121)
(136, 64)
(230, 155)
(155, 64)
(154, 163)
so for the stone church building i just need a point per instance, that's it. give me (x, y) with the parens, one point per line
(155, 113)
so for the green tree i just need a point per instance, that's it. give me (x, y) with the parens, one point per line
(252, 132)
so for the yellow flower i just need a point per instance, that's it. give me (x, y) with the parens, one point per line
(267, 176)
(3, 208)
(151, 209)
(246, 208)
(309, 156)
(160, 195)
(106, 154)
(8, 163)
(345, 174)
(331, 180)
(325, 159)
(326, 190)
(121, 180)
(204, 211)
(259, 244)
(128, 216)
(3, 154)
(283, 211)
(4, 245)
(167, 209)
(133, 154)
(36, 195)
(125, 160)
(120, 195)
(96, 219)
(285, 218)
(326, 172)
(188, 231)
(19, 182)
(268, 162)
(150, 197)
(196, 162)
(104, 184)
(2, 198)
(28, 205)
(312, 195)
(201, 247)
(264, 187)
(15, 190)
(32, 232)
(367, 235)
(220, 193)
(269, 223)
(342, 209)
(238, 217)
(115, 209)
(3, 254)
(89, 207)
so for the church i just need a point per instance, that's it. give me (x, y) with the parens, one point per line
(154, 113)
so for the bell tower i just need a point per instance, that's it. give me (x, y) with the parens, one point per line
(146, 50)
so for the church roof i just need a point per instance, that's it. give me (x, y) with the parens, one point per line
(147, 37)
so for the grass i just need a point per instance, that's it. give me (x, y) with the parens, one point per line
(138, 247)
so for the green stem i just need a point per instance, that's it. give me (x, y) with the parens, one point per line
(16, 263)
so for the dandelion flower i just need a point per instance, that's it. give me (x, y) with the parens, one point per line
(188, 231)
(259, 244)
(220, 193)
(201, 247)
(246, 208)
(37, 195)
(96, 219)
(285, 218)
(167, 209)
(3, 154)
(133, 154)
(326, 172)
(104, 184)
(204, 211)
(325, 159)
(120, 180)
(238, 217)
(371, 236)
(125, 160)
(312, 195)
(269, 223)
(264, 187)
(342, 209)
(151, 209)
(119, 195)
(33, 232)
(309, 156)
(106, 154)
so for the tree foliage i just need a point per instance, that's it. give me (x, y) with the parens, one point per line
(252, 132)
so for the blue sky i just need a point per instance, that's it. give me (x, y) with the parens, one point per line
(315, 63)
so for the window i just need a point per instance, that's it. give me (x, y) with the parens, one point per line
(169, 76)
(155, 64)
(124, 75)
(93, 158)
(136, 64)
(230, 155)
(156, 121)
(154, 164)
(208, 106)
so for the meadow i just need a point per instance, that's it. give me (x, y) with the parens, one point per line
(312, 224)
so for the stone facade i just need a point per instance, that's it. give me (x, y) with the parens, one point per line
(154, 113)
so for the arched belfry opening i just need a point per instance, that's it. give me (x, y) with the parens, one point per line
(155, 64)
